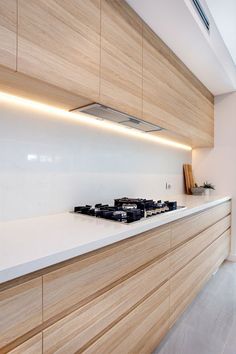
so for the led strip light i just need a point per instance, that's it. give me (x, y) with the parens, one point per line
(89, 120)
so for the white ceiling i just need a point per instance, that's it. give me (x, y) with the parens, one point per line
(224, 14)
(180, 27)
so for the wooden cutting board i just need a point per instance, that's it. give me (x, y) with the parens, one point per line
(188, 178)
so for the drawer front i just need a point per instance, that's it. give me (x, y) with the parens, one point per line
(20, 310)
(141, 330)
(79, 281)
(193, 225)
(31, 346)
(185, 253)
(76, 331)
(185, 285)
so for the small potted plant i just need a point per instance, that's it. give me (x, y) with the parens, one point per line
(196, 190)
(208, 187)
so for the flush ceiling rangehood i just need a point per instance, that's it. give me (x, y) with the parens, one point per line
(104, 112)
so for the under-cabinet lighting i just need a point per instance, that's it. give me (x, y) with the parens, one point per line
(89, 120)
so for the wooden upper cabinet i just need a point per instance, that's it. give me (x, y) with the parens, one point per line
(59, 42)
(121, 57)
(8, 24)
(172, 96)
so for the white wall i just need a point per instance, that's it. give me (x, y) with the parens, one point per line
(218, 165)
(48, 165)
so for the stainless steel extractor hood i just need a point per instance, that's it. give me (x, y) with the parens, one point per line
(107, 113)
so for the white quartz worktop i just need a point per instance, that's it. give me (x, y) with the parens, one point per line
(31, 244)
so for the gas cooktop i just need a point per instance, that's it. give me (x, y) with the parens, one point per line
(128, 210)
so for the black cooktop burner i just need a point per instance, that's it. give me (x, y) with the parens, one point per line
(127, 210)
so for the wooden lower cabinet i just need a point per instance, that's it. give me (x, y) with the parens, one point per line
(185, 285)
(185, 253)
(20, 310)
(122, 298)
(92, 274)
(31, 346)
(76, 331)
(186, 228)
(141, 330)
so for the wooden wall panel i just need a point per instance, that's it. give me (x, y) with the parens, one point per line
(59, 42)
(69, 285)
(171, 96)
(121, 57)
(8, 33)
(20, 310)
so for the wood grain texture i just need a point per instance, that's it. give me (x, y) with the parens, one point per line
(59, 43)
(8, 35)
(141, 330)
(69, 285)
(18, 84)
(31, 346)
(121, 57)
(185, 285)
(208, 327)
(75, 332)
(85, 300)
(171, 97)
(188, 227)
(185, 253)
(20, 310)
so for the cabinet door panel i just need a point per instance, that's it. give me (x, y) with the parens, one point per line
(83, 279)
(121, 57)
(74, 332)
(186, 228)
(186, 284)
(141, 330)
(31, 346)
(183, 254)
(171, 96)
(8, 21)
(20, 310)
(59, 42)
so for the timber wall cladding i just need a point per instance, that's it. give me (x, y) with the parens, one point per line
(112, 293)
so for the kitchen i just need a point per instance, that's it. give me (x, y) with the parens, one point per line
(99, 102)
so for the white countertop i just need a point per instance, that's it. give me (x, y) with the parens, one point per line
(31, 244)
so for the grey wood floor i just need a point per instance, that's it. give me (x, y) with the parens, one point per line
(209, 324)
